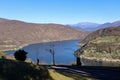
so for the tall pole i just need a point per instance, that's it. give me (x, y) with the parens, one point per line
(53, 57)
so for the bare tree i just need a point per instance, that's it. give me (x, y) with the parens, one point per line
(53, 55)
(52, 52)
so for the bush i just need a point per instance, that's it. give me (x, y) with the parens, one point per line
(20, 55)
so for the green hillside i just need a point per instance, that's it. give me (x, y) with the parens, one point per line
(104, 47)
(103, 44)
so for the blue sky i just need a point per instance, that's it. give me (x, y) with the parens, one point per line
(61, 11)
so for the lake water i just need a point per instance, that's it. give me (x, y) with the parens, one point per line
(63, 51)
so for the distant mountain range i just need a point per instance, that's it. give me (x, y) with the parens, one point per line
(88, 26)
(14, 33)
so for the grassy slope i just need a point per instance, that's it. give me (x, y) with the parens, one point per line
(57, 76)
(107, 46)
(16, 70)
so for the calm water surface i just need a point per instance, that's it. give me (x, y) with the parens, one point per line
(63, 51)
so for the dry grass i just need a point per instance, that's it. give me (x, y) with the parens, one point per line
(57, 76)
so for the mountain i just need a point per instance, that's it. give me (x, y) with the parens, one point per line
(110, 31)
(105, 25)
(14, 33)
(88, 26)
(3, 20)
(102, 45)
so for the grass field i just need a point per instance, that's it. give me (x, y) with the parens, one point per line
(57, 76)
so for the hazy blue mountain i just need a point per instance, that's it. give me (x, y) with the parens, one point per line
(89, 26)
(116, 23)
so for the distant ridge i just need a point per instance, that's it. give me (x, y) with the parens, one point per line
(86, 26)
(89, 26)
(3, 20)
(110, 31)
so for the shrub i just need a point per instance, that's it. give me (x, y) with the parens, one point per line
(20, 55)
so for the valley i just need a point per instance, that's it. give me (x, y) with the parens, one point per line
(15, 34)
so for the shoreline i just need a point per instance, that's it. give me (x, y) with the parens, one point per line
(101, 59)
(24, 45)
(92, 61)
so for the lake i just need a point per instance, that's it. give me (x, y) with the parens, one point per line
(63, 51)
